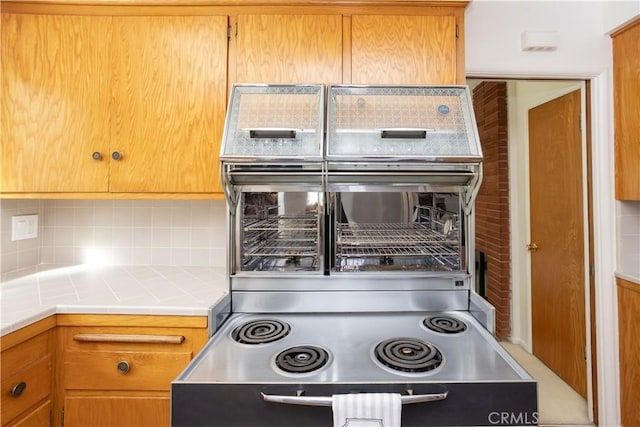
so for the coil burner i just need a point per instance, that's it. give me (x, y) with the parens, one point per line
(444, 324)
(302, 359)
(261, 331)
(408, 355)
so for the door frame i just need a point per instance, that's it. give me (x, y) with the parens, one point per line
(521, 172)
(604, 234)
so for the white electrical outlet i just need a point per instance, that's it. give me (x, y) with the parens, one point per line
(24, 227)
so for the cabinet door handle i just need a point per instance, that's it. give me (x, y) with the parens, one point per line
(127, 338)
(124, 367)
(18, 389)
(96, 155)
(116, 155)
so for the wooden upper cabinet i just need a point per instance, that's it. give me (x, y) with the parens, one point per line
(403, 49)
(289, 49)
(55, 103)
(169, 96)
(149, 83)
(626, 77)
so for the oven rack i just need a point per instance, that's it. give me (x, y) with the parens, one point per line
(280, 243)
(434, 250)
(392, 235)
(282, 223)
(392, 246)
(283, 248)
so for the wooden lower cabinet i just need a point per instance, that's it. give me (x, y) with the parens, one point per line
(116, 370)
(28, 360)
(629, 343)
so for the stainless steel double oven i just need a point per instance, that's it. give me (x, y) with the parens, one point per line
(351, 264)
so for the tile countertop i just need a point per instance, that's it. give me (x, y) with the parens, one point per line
(32, 295)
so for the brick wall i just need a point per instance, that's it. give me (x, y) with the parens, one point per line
(492, 206)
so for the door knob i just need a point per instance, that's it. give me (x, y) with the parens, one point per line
(96, 155)
(116, 155)
(532, 247)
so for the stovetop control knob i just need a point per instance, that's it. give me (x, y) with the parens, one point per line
(123, 367)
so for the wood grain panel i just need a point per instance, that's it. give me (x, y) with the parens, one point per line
(629, 343)
(39, 417)
(558, 266)
(25, 353)
(169, 94)
(17, 337)
(403, 49)
(141, 411)
(126, 320)
(626, 81)
(289, 49)
(55, 102)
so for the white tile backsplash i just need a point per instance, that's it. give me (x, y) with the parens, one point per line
(117, 232)
(20, 254)
(628, 220)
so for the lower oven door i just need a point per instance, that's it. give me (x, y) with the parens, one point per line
(509, 403)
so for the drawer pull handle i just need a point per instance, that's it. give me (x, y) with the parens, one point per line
(124, 367)
(18, 389)
(126, 338)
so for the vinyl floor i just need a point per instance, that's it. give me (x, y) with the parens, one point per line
(558, 403)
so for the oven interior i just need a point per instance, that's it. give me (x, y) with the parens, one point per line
(366, 232)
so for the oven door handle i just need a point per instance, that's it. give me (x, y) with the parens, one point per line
(328, 400)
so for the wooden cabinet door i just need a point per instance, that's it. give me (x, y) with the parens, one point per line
(39, 417)
(403, 49)
(169, 96)
(55, 103)
(289, 49)
(626, 70)
(116, 411)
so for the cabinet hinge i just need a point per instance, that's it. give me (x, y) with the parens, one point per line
(592, 270)
(62, 417)
(457, 31)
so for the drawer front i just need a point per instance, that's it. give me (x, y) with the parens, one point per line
(122, 370)
(24, 354)
(36, 379)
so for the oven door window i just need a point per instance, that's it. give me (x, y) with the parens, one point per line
(281, 231)
(397, 231)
